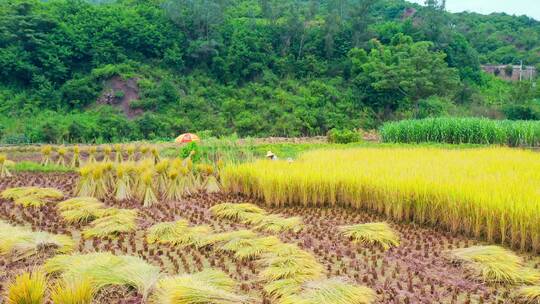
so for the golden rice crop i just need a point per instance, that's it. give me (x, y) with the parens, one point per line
(178, 233)
(4, 172)
(380, 234)
(233, 211)
(484, 192)
(27, 288)
(111, 222)
(496, 264)
(80, 209)
(103, 269)
(21, 242)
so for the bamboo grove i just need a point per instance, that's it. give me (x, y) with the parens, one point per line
(488, 193)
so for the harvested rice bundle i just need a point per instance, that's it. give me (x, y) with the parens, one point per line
(107, 153)
(290, 263)
(529, 294)
(208, 287)
(103, 269)
(80, 209)
(233, 211)
(72, 291)
(46, 155)
(176, 186)
(32, 196)
(225, 237)
(155, 154)
(76, 159)
(178, 233)
(61, 154)
(27, 288)
(118, 153)
(149, 197)
(92, 151)
(123, 186)
(209, 182)
(21, 242)
(275, 223)
(380, 234)
(162, 168)
(335, 291)
(166, 232)
(251, 248)
(112, 221)
(4, 172)
(144, 151)
(130, 150)
(495, 264)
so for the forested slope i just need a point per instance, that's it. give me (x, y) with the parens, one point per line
(254, 67)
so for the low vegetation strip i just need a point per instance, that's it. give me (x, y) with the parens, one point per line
(489, 193)
(454, 130)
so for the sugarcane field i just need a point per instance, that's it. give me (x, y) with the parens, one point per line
(338, 224)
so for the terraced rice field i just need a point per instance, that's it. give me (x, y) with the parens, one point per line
(419, 270)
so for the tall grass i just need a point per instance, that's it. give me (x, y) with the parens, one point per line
(489, 193)
(463, 130)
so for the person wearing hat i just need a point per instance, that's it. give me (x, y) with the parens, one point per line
(271, 156)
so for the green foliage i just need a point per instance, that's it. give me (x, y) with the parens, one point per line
(343, 136)
(245, 67)
(29, 166)
(463, 130)
(193, 149)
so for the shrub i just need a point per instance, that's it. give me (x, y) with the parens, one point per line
(343, 136)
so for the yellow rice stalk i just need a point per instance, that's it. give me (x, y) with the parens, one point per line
(76, 160)
(21, 242)
(235, 212)
(335, 291)
(380, 234)
(46, 155)
(149, 197)
(205, 287)
(4, 172)
(276, 224)
(72, 291)
(144, 151)
(490, 193)
(32, 196)
(166, 232)
(118, 153)
(92, 151)
(62, 151)
(211, 185)
(107, 153)
(110, 222)
(80, 209)
(495, 264)
(529, 294)
(103, 269)
(187, 180)
(27, 288)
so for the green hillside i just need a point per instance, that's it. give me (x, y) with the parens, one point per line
(98, 71)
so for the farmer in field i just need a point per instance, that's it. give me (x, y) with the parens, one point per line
(271, 156)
